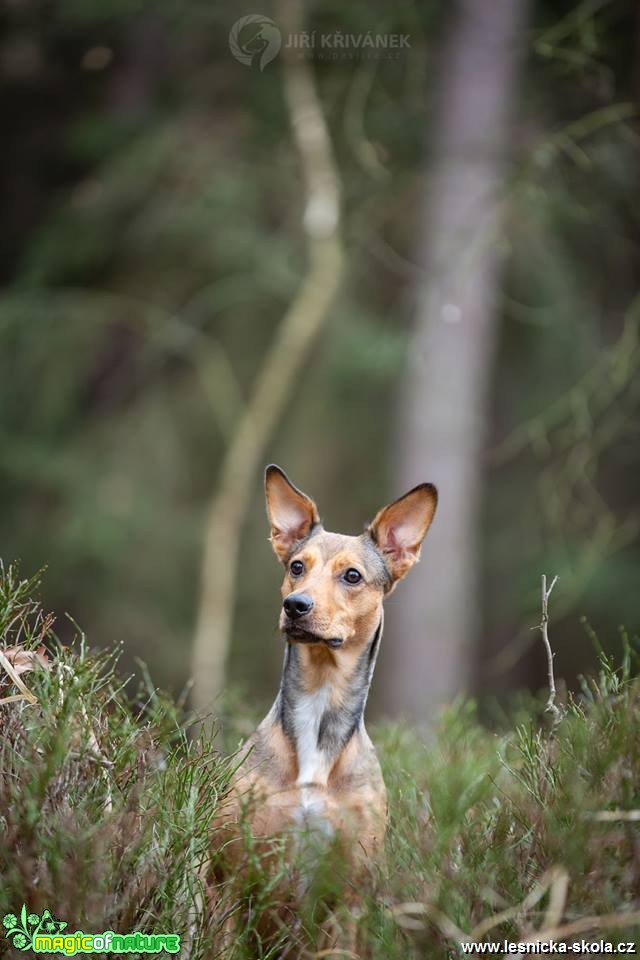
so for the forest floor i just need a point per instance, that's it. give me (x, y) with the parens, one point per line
(106, 805)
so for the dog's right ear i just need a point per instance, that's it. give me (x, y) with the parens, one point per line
(292, 514)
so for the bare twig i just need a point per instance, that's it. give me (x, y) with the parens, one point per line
(283, 361)
(614, 816)
(557, 897)
(336, 952)
(404, 912)
(611, 921)
(25, 693)
(556, 879)
(551, 706)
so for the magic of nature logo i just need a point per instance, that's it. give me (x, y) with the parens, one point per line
(43, 933)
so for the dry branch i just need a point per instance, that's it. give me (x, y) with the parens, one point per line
(16, 660)
(551, 706)
(282, 364)
(612, 921)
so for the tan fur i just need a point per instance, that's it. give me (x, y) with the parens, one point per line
(348, 794)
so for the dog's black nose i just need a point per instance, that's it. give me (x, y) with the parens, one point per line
(296, 605)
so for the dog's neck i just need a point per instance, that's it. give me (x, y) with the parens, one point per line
(321, 702)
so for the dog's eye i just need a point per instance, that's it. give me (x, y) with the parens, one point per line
(296, 568)
(352, 576)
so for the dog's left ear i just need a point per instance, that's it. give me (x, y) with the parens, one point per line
(399, 528)
(292, 514)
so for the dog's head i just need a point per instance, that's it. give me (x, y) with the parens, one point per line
(334, 584)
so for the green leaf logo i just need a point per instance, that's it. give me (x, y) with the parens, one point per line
(21, 930)
(49, 924)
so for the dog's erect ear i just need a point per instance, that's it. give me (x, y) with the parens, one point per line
(292, 514)
(399, 528)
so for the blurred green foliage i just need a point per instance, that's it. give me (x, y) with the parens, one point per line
(151, 242)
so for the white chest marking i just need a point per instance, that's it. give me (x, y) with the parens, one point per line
(313, 764)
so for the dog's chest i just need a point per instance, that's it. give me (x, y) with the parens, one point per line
(300, 779)
(309, 710)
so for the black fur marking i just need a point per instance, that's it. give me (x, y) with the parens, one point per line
(338, 726)
(289, 688)
(374, 646)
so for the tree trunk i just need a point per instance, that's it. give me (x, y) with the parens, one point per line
(436, 616)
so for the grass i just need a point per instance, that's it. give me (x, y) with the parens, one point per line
(106, 806)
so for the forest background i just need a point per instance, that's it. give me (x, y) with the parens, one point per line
(483, 333)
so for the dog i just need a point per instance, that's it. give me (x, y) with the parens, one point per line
(310, 764)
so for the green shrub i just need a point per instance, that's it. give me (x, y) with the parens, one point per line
(106, 805)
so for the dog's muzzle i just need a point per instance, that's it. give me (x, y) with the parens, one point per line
(297, 605)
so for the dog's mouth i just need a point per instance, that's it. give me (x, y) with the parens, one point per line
(298, 633)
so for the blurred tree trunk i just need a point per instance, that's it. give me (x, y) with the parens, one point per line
(140, 68)
(276, 378)
(435, 618)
